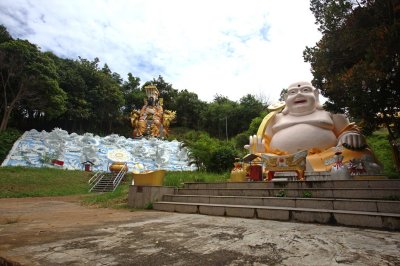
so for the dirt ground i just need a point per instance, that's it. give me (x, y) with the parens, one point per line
(59, 231)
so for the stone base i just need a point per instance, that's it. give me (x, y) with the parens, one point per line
(143, 196)
(368, 177)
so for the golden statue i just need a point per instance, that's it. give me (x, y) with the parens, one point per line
(152, 119)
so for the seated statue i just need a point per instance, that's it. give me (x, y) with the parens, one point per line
(151, 119)
(300, 123)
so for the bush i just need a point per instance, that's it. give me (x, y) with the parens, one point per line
(7, 139)
(209, 153)
(240, 140)
(222, 158)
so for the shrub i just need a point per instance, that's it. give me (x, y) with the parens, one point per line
(209, 153)
(7, 139)
(222, 158)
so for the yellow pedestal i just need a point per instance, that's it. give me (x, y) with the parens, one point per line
(238, 176)
(152, 178)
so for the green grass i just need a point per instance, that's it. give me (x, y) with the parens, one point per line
(115, 199)
(177, 178)
(119, 198)
(18, 182)
(379, 143)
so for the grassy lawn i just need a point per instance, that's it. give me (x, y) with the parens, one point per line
(115, 199)
(379, 143)
(17, 182)
(176, 179)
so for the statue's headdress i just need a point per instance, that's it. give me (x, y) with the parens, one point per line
(152, 91)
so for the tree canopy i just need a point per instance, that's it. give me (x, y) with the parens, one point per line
(356, 64)
(29, 82)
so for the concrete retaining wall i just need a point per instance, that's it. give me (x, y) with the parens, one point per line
(143, 196)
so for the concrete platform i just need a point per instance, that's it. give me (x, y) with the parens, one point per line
(311, 203)
(361, 203)
(388, 221)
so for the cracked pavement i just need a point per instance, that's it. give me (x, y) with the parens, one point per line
(59, 231)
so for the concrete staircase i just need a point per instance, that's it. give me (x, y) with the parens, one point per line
(361, 203)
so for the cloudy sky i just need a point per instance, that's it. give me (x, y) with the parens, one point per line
(209, 47)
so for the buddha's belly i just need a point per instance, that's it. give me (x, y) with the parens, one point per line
(303, 137)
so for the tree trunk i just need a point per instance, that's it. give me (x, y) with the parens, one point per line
(6, 117)
(395, 147)
(8, 108)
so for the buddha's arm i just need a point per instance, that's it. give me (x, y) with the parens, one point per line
(347, 132)
(259, 143)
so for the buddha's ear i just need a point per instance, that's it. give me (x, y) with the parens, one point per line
(316, 92)
(318, 105)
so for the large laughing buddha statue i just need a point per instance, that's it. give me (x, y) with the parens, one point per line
(300, 123)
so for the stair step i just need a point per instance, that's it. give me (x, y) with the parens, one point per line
(312, 203)
(351, 193)
(381, 220)
(386, 183)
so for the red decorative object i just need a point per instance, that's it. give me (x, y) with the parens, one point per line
(57, 162)
(255, 173)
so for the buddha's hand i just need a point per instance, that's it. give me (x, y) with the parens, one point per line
(352, 140)
(256, 145)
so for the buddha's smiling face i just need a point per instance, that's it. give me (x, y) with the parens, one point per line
(301, 99)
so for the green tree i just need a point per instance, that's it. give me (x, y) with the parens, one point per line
(218, 118)
(209, 153)
(95, 96)
(249, 108)
(356, 64)
(189, 109)
(4, 35)
(134, 95)
(72, 82)
(28, 82)
(103, 95)
(110, 97)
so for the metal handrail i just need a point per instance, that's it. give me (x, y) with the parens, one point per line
(115, 181)
(101, 175)
(119, 177)
(94, 178)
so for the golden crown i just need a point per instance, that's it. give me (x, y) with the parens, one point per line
(151, 91)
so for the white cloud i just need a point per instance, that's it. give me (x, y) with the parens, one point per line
(227, 47)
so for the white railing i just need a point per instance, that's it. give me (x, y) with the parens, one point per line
(120, 176)
(94, 178)
(99, 175)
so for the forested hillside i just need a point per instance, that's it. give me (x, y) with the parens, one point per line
(41, 90)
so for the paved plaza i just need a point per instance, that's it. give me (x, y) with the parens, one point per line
(60, 231)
